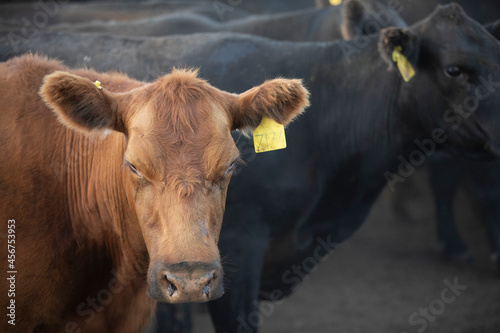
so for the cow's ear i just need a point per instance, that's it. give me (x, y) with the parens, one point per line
(494, 29)
(80, 104)
(404, 39)
(278, 99)
(354, 19)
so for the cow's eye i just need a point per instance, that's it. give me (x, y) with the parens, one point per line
(134, 169)
(230, 169)
(453, 72)
(236, 162)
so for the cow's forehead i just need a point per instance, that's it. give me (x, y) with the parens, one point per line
(183, 125)
(173, 121)
(161, 139)
(183, 102)
(450, 30)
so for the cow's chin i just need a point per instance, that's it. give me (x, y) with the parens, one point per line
(186, 282)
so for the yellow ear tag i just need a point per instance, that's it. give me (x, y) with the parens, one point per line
(335, 2)
(269, 135)
(404, 65)
(98, 84)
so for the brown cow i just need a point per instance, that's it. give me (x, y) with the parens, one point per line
(120, 194)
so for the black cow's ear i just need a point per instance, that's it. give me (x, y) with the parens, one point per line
(402, 39)
(354, 19)
(494, 29)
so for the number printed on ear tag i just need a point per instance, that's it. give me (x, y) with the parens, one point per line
(269, 135)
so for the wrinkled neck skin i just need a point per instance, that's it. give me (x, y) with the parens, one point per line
(356, 128)
(337, 152)
(96, 188)
(358, 112)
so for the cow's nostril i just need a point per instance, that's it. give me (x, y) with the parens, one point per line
(171, 286)
(189, 282)
(206, 289)
(171, 289)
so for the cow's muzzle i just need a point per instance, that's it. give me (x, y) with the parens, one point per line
(186, 282)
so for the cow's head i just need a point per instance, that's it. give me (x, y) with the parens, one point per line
(455, 88)
(177, 163)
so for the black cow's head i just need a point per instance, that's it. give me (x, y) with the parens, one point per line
(455, 89)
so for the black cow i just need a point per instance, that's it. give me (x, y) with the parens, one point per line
(262, 6)
(299, 203)
(412, 11)
(41, 14)
(353, 17)
(446, 173)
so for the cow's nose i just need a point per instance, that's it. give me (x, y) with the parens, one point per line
(188, 282)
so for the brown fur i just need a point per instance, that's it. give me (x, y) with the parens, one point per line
(87, 226)
(278, 99)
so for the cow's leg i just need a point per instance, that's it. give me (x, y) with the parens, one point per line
(485, 186)
(242, 256)
(445, 174)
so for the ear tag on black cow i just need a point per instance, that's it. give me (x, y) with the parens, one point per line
(404, 65)
(335, 2)
(98, 84)
(269, 135)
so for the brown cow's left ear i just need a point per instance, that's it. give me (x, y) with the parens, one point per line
(278, 99)
(80, 104)
(391, 38)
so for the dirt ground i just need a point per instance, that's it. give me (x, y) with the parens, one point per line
(390, 271)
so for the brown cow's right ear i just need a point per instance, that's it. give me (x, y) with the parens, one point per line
(278, 99)
(80, 104)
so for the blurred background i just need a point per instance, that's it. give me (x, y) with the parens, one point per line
(383, 278)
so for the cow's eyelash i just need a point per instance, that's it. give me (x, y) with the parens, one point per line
(237, 162)
(133, 169)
